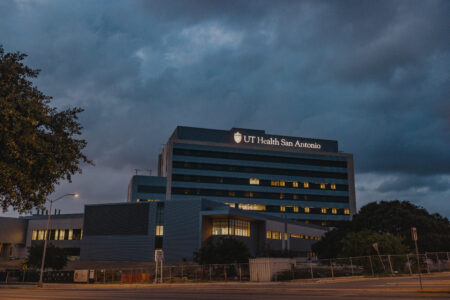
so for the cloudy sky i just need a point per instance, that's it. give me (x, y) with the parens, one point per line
(373, 75)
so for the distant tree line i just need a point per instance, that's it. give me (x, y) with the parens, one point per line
(387, 223)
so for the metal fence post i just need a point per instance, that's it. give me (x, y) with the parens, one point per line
(390, 264)
(332, 271)
(438, 263)
(371, 266)
(351, 265)
(225, 271)
(209, 272)
(409, 265)
(240, 273)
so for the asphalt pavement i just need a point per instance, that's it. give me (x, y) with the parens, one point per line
(436, 286)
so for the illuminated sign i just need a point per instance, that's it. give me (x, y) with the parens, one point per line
(274, 141)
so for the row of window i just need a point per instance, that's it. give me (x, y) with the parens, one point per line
(258, 157)
(260, 170)
(262, 195)
(230, 227)
(257, 181)
(274, 235)
(58, 234)
(291, 209)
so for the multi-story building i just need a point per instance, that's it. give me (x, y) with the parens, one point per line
(297, 178)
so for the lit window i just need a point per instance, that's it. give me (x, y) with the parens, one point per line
(324, 210)
(306, 210)
(276, 235)
(186, 191)
(296, 209)
(295, 184)
(70, 234)
(159, 230)
(281, 196)
(347, 211)
(231, 204)
(274, 183)
(231, 227)
(285, 236)
(295, 197)
(40, 235)
(306, 237)
(248, 194)
(268, 234)
(295, 236)
(138, 200)
(251, 206)
(81, 234)
(232, 194)
(282, 208)
(62, 234)
(56, 234)
(282, 183)
(34, 236)
(324, 224)
(306, 185)
(333, 186)
(334, 211)
(254, 181)
(322, 186)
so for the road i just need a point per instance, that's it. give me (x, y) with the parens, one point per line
(435, 287)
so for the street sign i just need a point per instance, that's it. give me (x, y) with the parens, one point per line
(375, 245)
(414, 233)
(159, 255)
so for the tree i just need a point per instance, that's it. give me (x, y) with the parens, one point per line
(55, 258)
(37, 144)
(360, 244)
(223, 250)
(394, 218)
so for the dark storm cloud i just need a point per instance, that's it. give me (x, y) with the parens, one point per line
(371, 74)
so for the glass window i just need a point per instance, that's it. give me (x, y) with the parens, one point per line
(282, 208)
(70, 235)
(40, 235)
(295, 184)
(347, 211)
(56, 234)
(248, 194)
(322, 186)
(34, 235)
(62, 234)
(306, 185)
(268, 234)
(233, 205)
(276, 235)
(231, 194)
(251, 206)
(274, 183)
(254, 181)
(333, 186)
(282, 183)
(334, 211)
(296, 209)
(306, 210)
(159, 230)
(323, 210)
(231, 227)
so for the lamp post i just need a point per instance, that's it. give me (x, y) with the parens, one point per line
(47, 235)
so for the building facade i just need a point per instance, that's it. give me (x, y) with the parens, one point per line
(298, 178)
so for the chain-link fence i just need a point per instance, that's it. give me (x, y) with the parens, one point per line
(297, 268)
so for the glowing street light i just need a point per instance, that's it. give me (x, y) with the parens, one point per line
(47, 234)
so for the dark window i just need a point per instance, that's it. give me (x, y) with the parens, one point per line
(151, 189)
(242, 169)
(258, 157)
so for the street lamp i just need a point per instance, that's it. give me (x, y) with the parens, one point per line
(47, 234)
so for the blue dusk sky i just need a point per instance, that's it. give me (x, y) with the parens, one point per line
(373, 75)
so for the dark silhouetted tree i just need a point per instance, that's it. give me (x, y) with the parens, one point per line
(223, 250)
(55, 258)
(37, 144)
